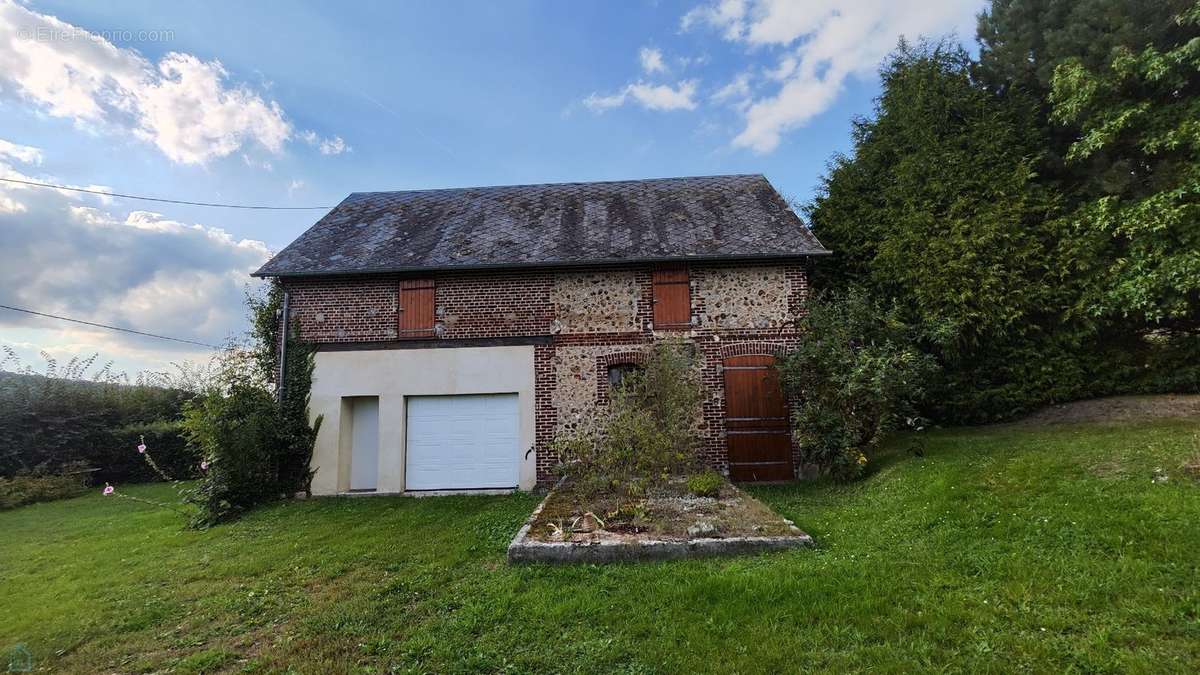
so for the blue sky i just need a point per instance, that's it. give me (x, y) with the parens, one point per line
(300, 104)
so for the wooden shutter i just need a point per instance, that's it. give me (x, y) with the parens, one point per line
(416, 308)
(672, 298)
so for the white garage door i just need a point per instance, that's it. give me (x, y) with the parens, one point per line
(461, 442)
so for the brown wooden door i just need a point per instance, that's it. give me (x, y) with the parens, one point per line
(757, 432)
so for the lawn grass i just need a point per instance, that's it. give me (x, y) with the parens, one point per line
(1002, 549)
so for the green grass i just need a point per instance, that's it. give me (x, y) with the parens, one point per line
(1001, 550)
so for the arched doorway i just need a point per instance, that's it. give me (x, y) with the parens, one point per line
(758, 435)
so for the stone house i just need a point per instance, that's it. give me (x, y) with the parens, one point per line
(458, 331)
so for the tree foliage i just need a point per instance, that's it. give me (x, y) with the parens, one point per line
(856, 374)
(944, 173)
(257, 442)
(1139, 120)
(1021, 42)
(939, 211)
(1043, 245)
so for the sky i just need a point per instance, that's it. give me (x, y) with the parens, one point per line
(299, 104)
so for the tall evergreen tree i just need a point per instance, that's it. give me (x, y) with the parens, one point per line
(1021, 42)
(1139, 121)
(940, 210)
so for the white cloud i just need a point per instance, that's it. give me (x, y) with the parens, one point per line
(652, 60)
(823, 42)
(21, 153)
(737, 89)
(184, 106)
(76, 256)
(334, 146)
(649, 96)
(326, 146)
(254, 163)
(725, 14)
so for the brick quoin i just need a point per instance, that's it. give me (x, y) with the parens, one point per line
(471, 306)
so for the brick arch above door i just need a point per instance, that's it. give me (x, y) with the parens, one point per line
(753, 348)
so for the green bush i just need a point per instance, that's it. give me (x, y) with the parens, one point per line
(165, 439)
(705, 484)
(648, 433)
(256, 448)
(856, 375)
(236, 434)
(28, 489)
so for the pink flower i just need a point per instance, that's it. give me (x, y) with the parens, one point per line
(142, 448)
(204, 465)
(108, 489)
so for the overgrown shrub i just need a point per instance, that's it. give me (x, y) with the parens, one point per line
(707, 483)
(856, 374)
(256, 444)
(648, 433)
(31, 488)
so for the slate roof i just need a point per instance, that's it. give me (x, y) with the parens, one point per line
(701, 218)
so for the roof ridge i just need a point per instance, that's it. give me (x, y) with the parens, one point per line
(566, 183)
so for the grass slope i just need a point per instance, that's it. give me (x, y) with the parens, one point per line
(1002, 549)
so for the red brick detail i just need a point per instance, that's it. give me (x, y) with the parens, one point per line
(544, 413)
(602, 364)
(497, 304)
(345, 309)
(753, 349)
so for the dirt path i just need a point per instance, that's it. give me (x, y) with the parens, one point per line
(1116, 409)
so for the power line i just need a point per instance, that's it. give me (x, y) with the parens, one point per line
(166, 201)
(101, 325)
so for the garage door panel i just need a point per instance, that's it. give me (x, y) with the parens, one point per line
(462, 442)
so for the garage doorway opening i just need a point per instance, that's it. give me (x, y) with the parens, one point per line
(364, 443)
(458, 443)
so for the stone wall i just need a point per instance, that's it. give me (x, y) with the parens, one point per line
(732, 298)
(601, 301)
(579, 375)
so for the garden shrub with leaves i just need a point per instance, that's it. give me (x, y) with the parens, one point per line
(256, 446)
(857, 374)
(648, 433)
(707, 483)
(24, 489)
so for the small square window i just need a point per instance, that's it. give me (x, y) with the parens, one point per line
(618, 371)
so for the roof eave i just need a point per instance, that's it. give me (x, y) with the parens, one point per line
(549, 264)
